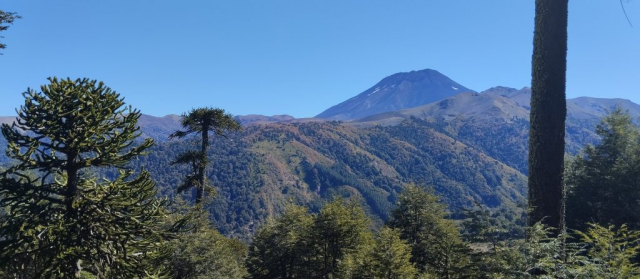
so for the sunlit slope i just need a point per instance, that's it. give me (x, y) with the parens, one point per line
(259, 171)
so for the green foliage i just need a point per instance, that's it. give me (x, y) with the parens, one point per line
(610, 253)
(334, 243)
(482, 225)
(599, 253)
(65, 221)
(436, 245)
(282, 248)
(6, 19)
(202, 252)
(539, 254)
(602, 184)
(340, 231)
(201, 120)
(390, 257)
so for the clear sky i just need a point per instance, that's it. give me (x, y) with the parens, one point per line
(301, 57)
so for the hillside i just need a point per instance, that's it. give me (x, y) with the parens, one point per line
(267, 166)
(496, 121)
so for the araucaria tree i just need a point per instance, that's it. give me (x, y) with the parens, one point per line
(6, 19)
(548, 113)
(63, 220)
(202, 121)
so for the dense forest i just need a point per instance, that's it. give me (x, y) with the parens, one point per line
(263, 168)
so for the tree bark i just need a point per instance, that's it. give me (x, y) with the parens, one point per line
(203, 164)
(74, 264)
(548, 114)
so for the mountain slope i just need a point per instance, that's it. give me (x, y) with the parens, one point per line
(259, 171)
(396, 92)
(496, 121)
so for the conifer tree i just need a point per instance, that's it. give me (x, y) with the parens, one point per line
(202, 121)
(281, 248)
(6, 20)
(436, 245)
(602, 183)
(200, 251)
(62, 220)
(391, 257)
(340, 236)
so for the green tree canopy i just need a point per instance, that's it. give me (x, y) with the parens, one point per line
(281, 248)
(436, 245)
(200, 251)
(341, 237)
(335, 243)
(66, 220)
(390, 257)
(602, 183)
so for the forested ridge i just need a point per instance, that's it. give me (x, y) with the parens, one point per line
(257, 172)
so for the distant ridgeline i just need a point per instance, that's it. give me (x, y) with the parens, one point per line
(470, 147)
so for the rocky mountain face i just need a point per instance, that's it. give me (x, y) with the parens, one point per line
(396, 92)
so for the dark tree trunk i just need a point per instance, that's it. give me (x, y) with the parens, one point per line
(548, 113)
(203, 164)
(74, 264)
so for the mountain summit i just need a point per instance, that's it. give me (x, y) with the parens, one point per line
(396, 92)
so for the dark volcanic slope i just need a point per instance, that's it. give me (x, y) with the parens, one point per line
(396, 92)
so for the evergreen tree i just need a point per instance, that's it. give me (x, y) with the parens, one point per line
(6, 19)
(548, 114)
(200, 251)
(602, 183)
(281, 249)
(202, 121)
(391, 257)
(66, 221)
(341, 236)
(599, 252)
(436, 245)
(336, 243)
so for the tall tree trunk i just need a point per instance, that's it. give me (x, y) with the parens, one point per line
(203, 164)
(548, 113)
(74, 264)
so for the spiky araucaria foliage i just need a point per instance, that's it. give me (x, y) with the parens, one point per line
(61, 220)
(202, 121)
(6, 20)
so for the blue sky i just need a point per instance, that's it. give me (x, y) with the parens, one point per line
(301, 57)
